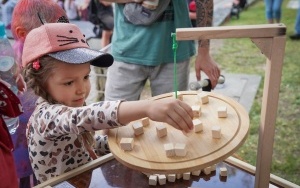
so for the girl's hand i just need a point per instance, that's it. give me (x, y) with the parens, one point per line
(172, 111)
(169, 110)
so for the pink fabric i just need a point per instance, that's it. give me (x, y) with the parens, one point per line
(52, 38)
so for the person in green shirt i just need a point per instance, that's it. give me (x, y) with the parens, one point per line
(143, 52)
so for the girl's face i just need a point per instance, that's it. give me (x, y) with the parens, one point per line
(69, 84)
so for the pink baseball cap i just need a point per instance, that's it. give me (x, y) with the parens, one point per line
(64, 42)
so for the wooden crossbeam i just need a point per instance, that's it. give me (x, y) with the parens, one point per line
(223, 32)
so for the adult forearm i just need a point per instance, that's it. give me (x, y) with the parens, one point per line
(204, 17)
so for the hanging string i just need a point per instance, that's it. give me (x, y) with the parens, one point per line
(174, 47)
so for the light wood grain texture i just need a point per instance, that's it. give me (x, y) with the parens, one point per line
(269, 112)
(152, 180)
(223, 171)
(145, 121)
(171, 177)
(196, 173)
(148, 154)
(162, 179)
(203, 98)
(126, 144)
(207, 170)
(198, 126)
(222, 32)
(169, 149)
(270, 39)
(222, 112)
(161, 130)
(93, 164)
(252, 170)
(216, 132)
(186, 176)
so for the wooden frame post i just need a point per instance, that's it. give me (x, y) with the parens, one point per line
(270, 39)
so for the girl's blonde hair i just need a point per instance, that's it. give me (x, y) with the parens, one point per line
(36, 80)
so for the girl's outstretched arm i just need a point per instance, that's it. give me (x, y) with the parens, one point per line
(171, 111)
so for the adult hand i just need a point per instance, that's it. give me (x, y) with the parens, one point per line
(204, 62)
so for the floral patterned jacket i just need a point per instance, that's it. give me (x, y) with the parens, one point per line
(53, 134)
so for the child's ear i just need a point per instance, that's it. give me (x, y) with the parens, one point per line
(21, 33)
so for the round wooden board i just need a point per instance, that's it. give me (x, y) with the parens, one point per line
(148, 154)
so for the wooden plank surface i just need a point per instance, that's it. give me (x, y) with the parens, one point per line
(222, 32)
(148, 153)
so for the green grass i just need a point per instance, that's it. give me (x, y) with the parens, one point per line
(242, 56)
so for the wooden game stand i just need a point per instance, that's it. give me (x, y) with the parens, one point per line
(270, 39)
(202, 150)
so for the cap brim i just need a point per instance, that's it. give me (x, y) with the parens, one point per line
(84, 55)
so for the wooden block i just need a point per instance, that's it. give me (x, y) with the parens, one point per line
(196, 173)
(147, 174)
(223, 171)
(213, 167)
(179, 95)
(222, 112)
(161, 130)
(171, 177)
(169, 148)
(207, 170)
(186, 176)
(178, 176)
(152, 180)
(198, 126)
(138, 128)
(203, 98)
(216, 132)
(145, 121)
(162, 179)
(126, 144)
(180, 150)
(196, 110)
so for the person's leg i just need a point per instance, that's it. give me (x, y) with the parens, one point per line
(125, 81)
(296, 36)
(268, 10)
(297, 23)
(277, 10)
(162, 78)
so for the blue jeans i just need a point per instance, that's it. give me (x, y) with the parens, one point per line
(297, 23)
(273, 9)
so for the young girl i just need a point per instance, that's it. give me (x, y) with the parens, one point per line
(56, 61)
